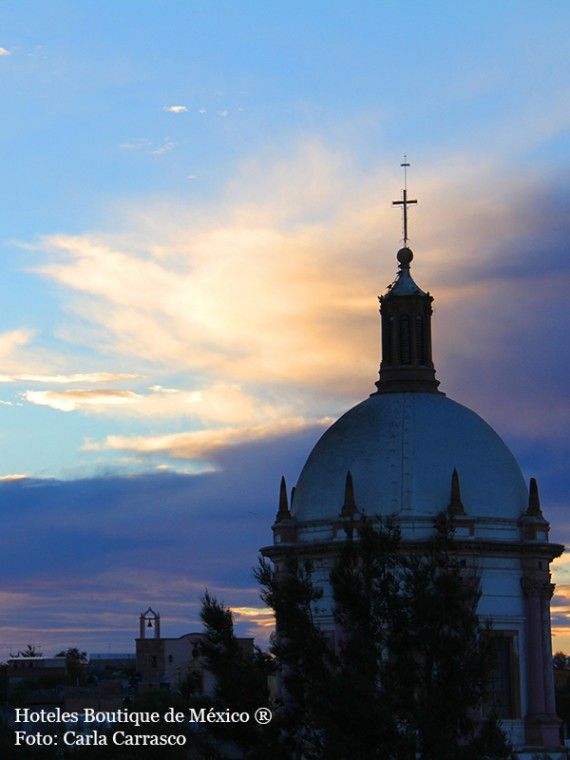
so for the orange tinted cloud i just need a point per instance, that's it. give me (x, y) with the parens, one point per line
(272, 288)
(200, 444)
(263, 617)
(77, 377)
(70, 400)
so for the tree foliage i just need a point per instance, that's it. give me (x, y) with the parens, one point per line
(411, 664)
(75, 665)
(241, 685)
(29, 651)
(441, 658)
(305, 661)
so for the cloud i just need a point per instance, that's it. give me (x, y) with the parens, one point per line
(166, 147)
(175, 109)
(231, 404)
(203, 444)
(265, 303)
(13, 339)
(257, 617)
(219, 403)
(78, 377)
(4, 52)
(148, 146)
(139, 143)
(141, 530)
(23, 357)
(245, 298)
(559, 608)
(70, 400)
(271, 292)
(14, 476)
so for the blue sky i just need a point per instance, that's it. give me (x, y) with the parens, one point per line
(196, 222)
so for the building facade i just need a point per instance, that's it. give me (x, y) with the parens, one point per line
(168, 662)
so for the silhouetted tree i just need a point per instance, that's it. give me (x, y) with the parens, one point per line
(561, 661)
(306, 662)
(411, 663)
(75, 665)
(29, 651)
(241, 685)
(366, 589)
(441, 658)
(3, 683)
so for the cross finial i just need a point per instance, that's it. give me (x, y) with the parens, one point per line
(405, 201)
(405, 165)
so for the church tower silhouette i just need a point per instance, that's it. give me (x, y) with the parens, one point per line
(410, 452)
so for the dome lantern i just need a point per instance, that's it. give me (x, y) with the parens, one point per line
(406, 328)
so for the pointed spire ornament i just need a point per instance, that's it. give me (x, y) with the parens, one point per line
(283, 511)
(349, 508)
(455, 506)
(534, 509)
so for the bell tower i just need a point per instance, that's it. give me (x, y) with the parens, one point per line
(149, 620)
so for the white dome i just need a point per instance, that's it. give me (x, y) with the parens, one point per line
(401, 449)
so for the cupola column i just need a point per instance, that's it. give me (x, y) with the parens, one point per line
(541, 722)
(549, 698)
(532, 589)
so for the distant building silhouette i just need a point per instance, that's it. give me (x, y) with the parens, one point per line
(168, 662)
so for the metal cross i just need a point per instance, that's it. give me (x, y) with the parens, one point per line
(404, 202)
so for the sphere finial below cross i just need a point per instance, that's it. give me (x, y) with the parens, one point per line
(405, 257)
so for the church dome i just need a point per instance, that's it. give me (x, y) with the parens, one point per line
(401, 449)
(403, 444)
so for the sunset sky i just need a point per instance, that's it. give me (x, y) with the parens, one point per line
(195, 225)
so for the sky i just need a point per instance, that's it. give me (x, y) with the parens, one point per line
(195, 225)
